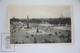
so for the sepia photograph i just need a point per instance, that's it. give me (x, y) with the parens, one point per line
(40, 24)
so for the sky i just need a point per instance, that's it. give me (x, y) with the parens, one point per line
(38, 11)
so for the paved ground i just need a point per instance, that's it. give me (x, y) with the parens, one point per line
(52, 35)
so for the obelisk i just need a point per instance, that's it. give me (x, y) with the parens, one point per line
(27, 21)
(61, 14)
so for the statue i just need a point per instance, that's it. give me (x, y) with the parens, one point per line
(37, 30)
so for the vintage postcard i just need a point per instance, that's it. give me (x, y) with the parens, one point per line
(40, 24)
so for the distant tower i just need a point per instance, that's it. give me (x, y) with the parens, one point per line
(61, 14)
(27, 21)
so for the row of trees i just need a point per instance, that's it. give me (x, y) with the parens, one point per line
(60, 20)
(50, 20)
